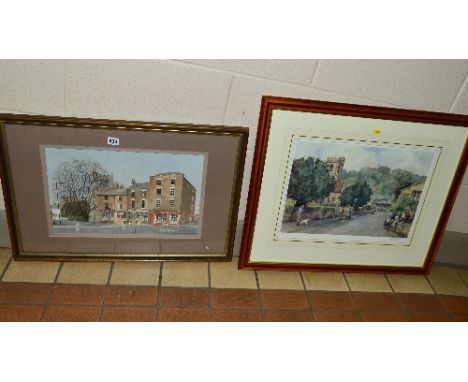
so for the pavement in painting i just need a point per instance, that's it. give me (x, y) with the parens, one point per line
(364, 225)
(119, 229)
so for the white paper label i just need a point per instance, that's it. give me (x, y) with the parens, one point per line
(113, 141)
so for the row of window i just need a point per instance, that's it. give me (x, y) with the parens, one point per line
(143, 193)
(171, 191)
(159, 181)
(171, 203)
(143, 204)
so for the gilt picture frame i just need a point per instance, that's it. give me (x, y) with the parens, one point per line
(89, 189)
(344, 187)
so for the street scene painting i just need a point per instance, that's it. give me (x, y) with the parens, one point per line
(353, 191)
(101, 192)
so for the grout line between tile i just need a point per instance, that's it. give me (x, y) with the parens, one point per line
(397, 295)
(158, 297)
(209, 275)
(228, 99)
(301, 85)
(210, 302)
(51, 291)
(461, 278)
(65, 80)
(389, 283)
(10, 260)
(307, 294)
(104, 299)
(237, 73)
(459, 93)
(111, 270)
(314, 74)
(58, 273)
(347, 282)
(260, 297)
(430, 284)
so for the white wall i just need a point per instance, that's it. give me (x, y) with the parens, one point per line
(228, 92)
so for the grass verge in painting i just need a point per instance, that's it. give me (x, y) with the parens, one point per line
(352, 191)
(102, 192)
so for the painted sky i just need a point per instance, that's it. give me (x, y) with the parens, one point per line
(128, 165)
(359, 155)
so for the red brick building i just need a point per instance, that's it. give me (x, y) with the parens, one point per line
(171, 199)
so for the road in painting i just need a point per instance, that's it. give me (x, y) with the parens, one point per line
(354, 189)
(118, 192)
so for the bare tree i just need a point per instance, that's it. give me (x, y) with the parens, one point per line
(77, 182)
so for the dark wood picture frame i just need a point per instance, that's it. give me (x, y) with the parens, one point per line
(235, 138)
(268, 106)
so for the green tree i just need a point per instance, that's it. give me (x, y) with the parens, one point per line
(383, 181)
(404, 204)
(356, 195)
(309, 180)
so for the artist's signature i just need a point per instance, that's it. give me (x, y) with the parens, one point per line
(167, 230)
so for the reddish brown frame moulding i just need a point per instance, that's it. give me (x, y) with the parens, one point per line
(270, 103)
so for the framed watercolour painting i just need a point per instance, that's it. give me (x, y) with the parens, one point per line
(84, 189)
(347, 187)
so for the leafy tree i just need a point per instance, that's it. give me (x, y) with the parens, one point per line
(309, 180)
(383, 181)
(76, 182)
(404, 204)
(356, 195)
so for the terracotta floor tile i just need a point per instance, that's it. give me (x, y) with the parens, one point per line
(337, 315)
(366, 282)
(184, 314)
(127, 295)
(77, 294)
(446, 280)
(455, 304)
(410, 284)
(330, 281)
(331, 300)
(185, 274)
(129, 314)
(280, 299)
(20, 313)
(237, 315)
(31, 271)
(72, 313)
(460, 317)
(421, 303)
(190, 297)
(382, 302)
(280, 280)
(24, 293)
(288, 315)
(383, 316)
(235, 298)
(429, 316)
(95, 273)
(135, 274)
(226, 275)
